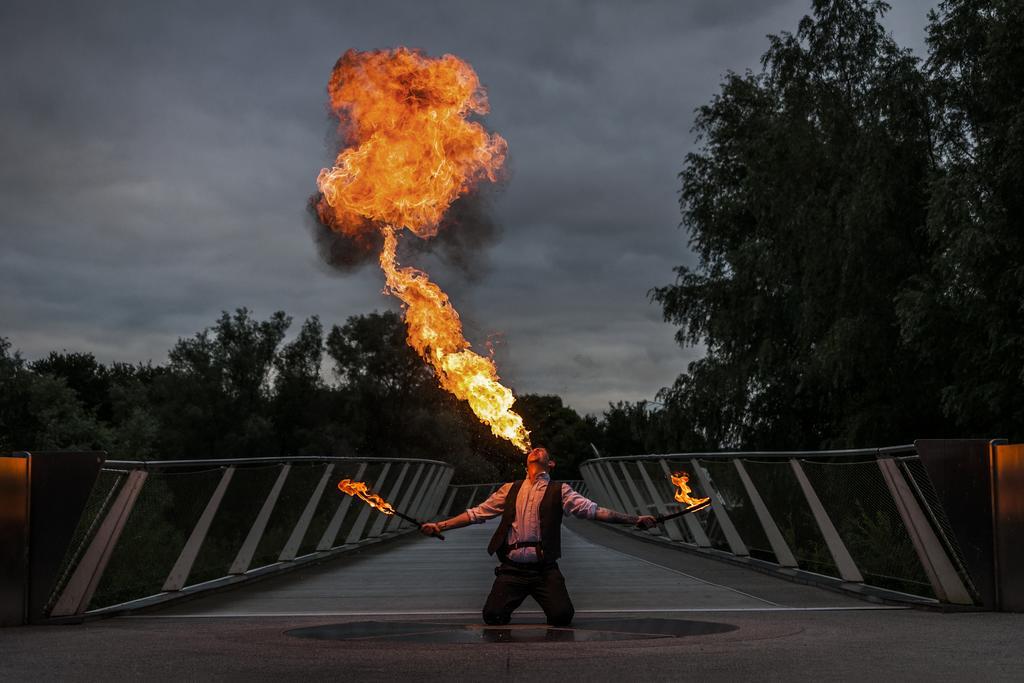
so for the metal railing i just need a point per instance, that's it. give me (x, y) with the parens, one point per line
(866, 520)
(157, 530)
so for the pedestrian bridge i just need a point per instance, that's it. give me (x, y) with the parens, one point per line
(806, 564)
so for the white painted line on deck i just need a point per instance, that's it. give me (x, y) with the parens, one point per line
(443, 613)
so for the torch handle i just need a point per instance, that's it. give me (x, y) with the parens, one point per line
(685, 511)
(419, 524)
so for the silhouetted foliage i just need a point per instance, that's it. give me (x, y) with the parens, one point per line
(964, 313)
(857, 222)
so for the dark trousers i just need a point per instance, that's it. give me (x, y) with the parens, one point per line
(512, 585)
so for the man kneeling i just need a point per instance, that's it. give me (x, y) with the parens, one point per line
(528, 539)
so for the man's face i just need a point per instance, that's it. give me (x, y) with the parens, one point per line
(540, 456)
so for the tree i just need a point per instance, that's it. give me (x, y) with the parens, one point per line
(83, 374)
(213, 399)
(301, 407)
(805, 205)
(40, 411)
(964, 315)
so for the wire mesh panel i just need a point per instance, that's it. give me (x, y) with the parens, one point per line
(861, 507)
(107, 485)
(165, 512)
(917, 477)
(242, 501)
(737, 504)
(298, 487)
(781, 492)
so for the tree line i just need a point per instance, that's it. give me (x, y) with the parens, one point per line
(856, 215)
(239, 389)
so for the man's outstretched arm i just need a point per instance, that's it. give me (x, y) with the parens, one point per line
(614, 517)
(492, 507)
(456, 522)
(578, 505)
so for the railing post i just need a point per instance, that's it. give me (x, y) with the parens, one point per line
(291, 547)
(642, 507)
(598, 494)
(631, 485)
(618, 493)
(783, 555)
(178, 576)
(86, 578)
(848, 570)
(732, 537)
(446, 507)
(941, 573)
(331, 532)
(472, 495)
(252, 540)
(442, 489)
(671, 526)
(425, 510)
(700, 537)
(356, 532)
(427, 492)
(382, 520)
(395, 522)
(600, 486)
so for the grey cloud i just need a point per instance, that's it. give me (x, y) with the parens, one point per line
(157, 159)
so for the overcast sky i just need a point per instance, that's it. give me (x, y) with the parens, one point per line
(156, 159)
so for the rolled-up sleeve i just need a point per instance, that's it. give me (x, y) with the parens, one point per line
(492, 507)
(576, 504)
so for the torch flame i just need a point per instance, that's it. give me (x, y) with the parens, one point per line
(680, 479)
(359, 490)
(411, 152)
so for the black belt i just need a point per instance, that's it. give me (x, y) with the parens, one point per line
(523, 544)
(530, 567)
(540, 565)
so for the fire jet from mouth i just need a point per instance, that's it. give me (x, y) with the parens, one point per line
(411, 151)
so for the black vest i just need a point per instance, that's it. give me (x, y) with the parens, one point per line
(550, 522)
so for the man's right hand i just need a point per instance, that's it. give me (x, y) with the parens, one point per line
(430, 529)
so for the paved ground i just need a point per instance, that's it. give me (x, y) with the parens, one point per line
(784, 631)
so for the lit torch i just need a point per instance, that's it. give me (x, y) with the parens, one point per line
(680, 480)
(359, 490)
(411, 151)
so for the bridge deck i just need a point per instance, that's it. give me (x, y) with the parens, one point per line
(779, 630)
(424, 576)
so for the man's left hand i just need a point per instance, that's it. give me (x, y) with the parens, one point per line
(645, 522)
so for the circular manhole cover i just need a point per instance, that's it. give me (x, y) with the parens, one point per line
(447, 632)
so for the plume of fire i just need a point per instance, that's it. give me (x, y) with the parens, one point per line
(360, 491)
(680, 479)
(411, 151)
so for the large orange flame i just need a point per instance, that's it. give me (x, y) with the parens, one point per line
(411, 152)
(680, 479)
(435, 331)
(360, 490)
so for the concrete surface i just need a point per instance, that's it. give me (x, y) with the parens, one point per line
(785, 631)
